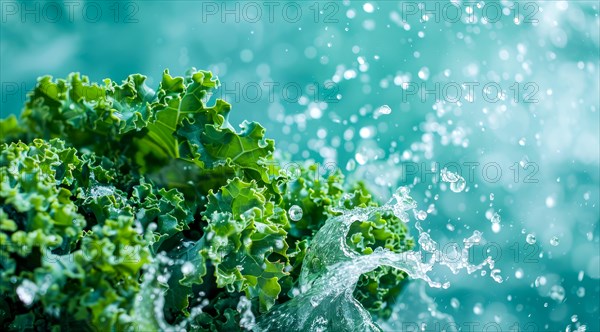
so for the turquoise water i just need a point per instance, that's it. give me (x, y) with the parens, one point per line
(387, 91)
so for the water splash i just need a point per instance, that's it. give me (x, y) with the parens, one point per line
(332, 269)
(148, 310)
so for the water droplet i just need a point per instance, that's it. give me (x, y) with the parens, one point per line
(421, 215)
(279, 244)
(530, 239)
(550, 202)
(351, 165)
(458, 186)
(540, 281)
(495, 274)
(368, 7)
(295, 213)
(495, 218)
(314, 301)
(557, 293)
(383, 110)
(491, 196)
(574, 318)
(496, 228)
(554, 241)
(26, 292)
(424, 73)
(478, 309)
(187, 268)
(522, 142)
(244, 307)
(519, 273)
(448, 176)
(454, 303)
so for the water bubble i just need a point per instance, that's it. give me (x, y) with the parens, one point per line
(550, 202)
(295, 212)
(557, 293)
(383, 110)
(530, 239)
(421, 215)
(522, 142)
(554, 241)
(581, 292)
(491, 196)
(574, 318)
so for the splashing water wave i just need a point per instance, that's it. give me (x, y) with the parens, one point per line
(332, 269)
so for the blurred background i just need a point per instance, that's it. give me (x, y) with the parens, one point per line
(504, 94)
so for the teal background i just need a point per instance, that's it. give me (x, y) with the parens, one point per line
(331, 120)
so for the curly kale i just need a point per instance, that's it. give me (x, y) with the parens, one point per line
(101, 183)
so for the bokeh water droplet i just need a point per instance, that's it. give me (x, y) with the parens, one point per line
(454, 303)
(448, 176)
(295, 212)
(478, 309)
(383, 110)
(26, 292)
(530, 239)
(459, 185)
(424, 73)
(187, 268)
(519, 273)
(495, 218)
(557, 293)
